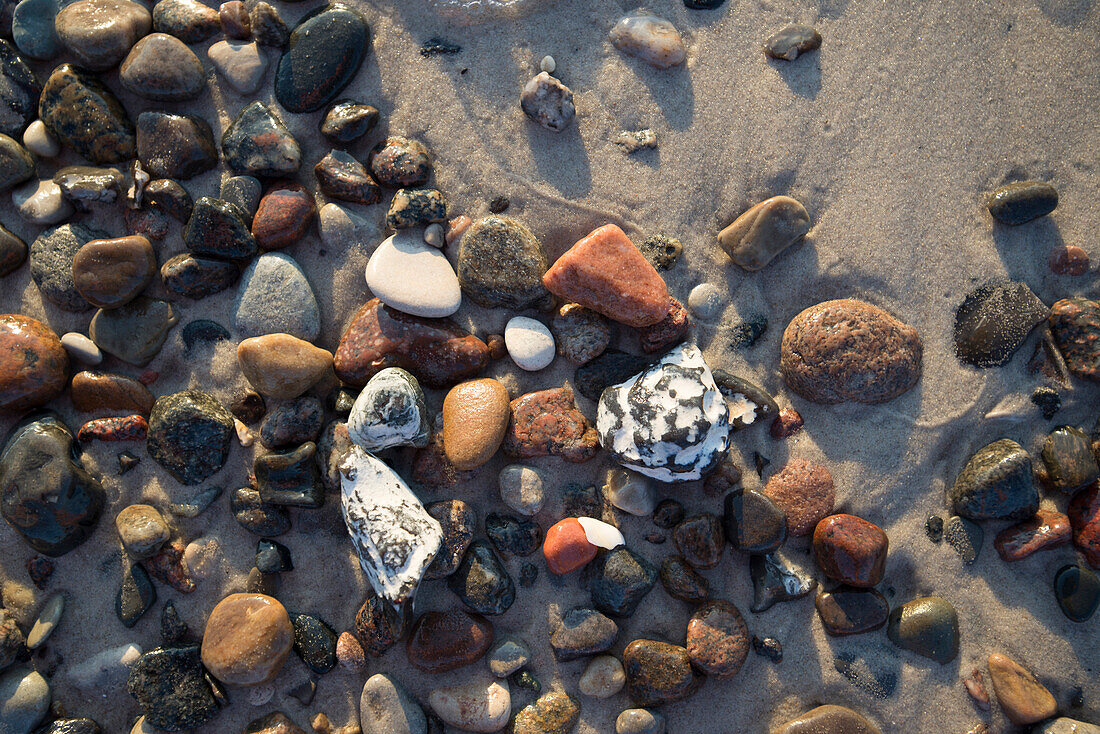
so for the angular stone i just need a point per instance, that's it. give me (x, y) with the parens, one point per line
(1023, 699)
(189, 435)
(171, 198)
(482, 582)
(581, 334)
(620, 581)
(197, 277)
(315, 642)
(700, 540)
(218, 229)
(928, 626)
(323, 54)
(774, 581)
(268, 27)
(683, 582)
(340, 176)
(85, 116)
(175, 146)
(845, 611)
(290, 477)
(1018, 203)
(501, 264)
(459, 523)
(257, 143)
(764, 231)
(160, 67)
(283, 217)
(996, 484)
(964, 537)
(378, 625)
(346, 121)
(753, 522)
(1075, 324)
(994, 320)
(547, 423)
(172, 689)
(851, 550)
(658, 673)
(134, 332)
(548, 102)
(442, 641)
(1084, 516)
(417, 207)
(398, 162)
(792, 41)
(552, 713)
(135, 596)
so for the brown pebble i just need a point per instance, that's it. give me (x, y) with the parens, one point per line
(1023, 699)
(111, 273)
(103, 391)
(717, 639)
(497, 348)
(547, 423)
(786, 424)
(349, 653)
(235, 20)
(475, 417)
(1069, 260)
(247, 639)
(283, 216)
(851, 550)
(443, 641)
(282, 366)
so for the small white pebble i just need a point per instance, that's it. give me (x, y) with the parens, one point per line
(706, 302)
(603, 678)
(41, 202)
(244, 435)
(530, 344)
(47, 621)
(548, 64)
(600, 534)
(81, 348)
(201, 556)
(261, 694)
(39, 141)
(434, 235)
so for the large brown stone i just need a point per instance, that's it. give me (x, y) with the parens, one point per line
(33, 364)
(104, 391)
(442, 641)
(717, 639)
(805, 492)
(851, 550)
(1024, 700)
(475, 418)
(829, 719)
(111, 273)
(247, 639)
(658, 673)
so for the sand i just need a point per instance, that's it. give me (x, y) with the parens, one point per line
(890, 135)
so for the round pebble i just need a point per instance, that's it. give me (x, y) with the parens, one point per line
(530, 344)
(522, 488)
(706, 302)
(38, 140)
(603, 677)
(247, 639)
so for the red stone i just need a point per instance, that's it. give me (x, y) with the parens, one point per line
(377, 625)
(283, 217)
(606, 273)
(432, 469)
(667, 332)
(167, 567)
(805, 492)
(95, 391)
(1069, 260)
(148, 377)
(851, 550)
(1084, 517)
(33, 364)
(786, 424)
(1048, 529)
(437, 351)
(125, 428)
(717, 639)
(442, 641)
(566, 547)
(547, 423)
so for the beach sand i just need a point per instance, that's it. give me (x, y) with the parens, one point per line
(891, 135)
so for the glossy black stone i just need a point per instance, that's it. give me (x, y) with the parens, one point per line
(513, 536)
(610, 368)
(1077, 590)
(994, 320)
(315, 642)
(218, 229)
(290, 477)
(323, 53)
(171, 688)
(257, 516)
(273, 557)
(135, 595)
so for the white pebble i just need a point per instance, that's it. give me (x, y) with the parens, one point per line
(105, 670)
(201, 557)
(530, 344)
(521, 488)
(548, 64)
(600, 534)
(39, 141)
(240, 63)
(41, 202)
(706, 302)
(407, 274)
(434, 235)
(244, 433)
(603, 678)
(81, 348)
(261, 694)
(649, 38)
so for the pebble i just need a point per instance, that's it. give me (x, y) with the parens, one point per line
(630, 492)
(171, 198)
(581, 334)
(323, 54)
(994, 320)
(33, 363)
(996, 484)
(385, 707)
(501, 264)
(640, 721)
(197, 503)
(389, 411)
(433, 294)
(792, 41)
(547, 423)
(632, 141)
(548, 64)
(475, 418)
(103, 391)
(257, 143)
(32, 28)
(24, 700)
(928, 626)
(290, 477)
(197, 277)
(566, 547)
(553, 713)
(512, 536)
(235, 20)
(1065, 725)
(649, 38)
(753, 522)
(346, 121)
(434, 235)
(443, 641)
(282, 366)
(41, 202)
(84, 185)
(160, 67)
(136, 595)
(340, 176)
(851, 611)
(548, 102)
(82, 114)
(416, 208)
(459, 523)
(1023, 699)
(683, 582)
(247, 639)
(99, 33)
(509, 654)
(700, 540)
(172, 689)
(111, 273)
(829, 351)
(1047, 530)
(522, 488)
(16, 163)
(759, 235)
(283, 216)
(13, 252)
(275, 298)
(218, 229)
(377, 625)
(786, 424)
(582, 632)
(669, 422)
(175, 146)
(717, 639)
(620, 581)
(482, 582)
(850, 550)
(53, 511)
(1065, 260)
(189, 435)
(1084, 517)
(142, 530)
(107, 668)
(805, 492)
(1077, 591)
(829, 718)
(241, 64)
(46, 622)
(188, 20)
(477, 706)
(294, 422)
(775, 581)
(122, 428)
(398, 162)
(706, 302)
(134, 332)
(530, 343)
(658, 673)
(51, 258)
(268, 27)
(964, 537)
(610, 368)
(12, 641)
(748, 403)
(1075, 324)
(1021, 202)
(314, 642)
(37, 139)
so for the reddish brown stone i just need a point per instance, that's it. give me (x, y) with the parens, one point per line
(150, 223)
(851, 550)
(805, 492)
(497, 348)
(607, 273)
(1084, 517)
(547, 423)
(566, 547)
(723, 479)
(111, 273)
(717, 639)
(377, 625)
(124, 428)
(103, 391)
(247, 639)
(1075, 324)
(786, 424)
(1048, 529)
(667, 332)
(167, 566)
(283, 216)
(33, 364)
(442, 641)
(700, 540)
(437, 351)
(235, 20)
(1069, 260)
(432, 469)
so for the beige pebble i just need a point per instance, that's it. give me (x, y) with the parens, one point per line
(244, 434)
(603, 678)
(261, 695)
(282, 366)
(649, 38)
(38, 140)
(457, 227)
(548, 64)
(1023, 699)
(17, 597)
(47, 621)
(201, 557)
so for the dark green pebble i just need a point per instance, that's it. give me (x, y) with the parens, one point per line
(290, 477)
(323, 53)
(217, 228)
(512, 536)
(1068, 458)
(1077, 590)
(928, 626)
(1021, 202)
(482, 582)
(189, 435)
(244, 193)
(257, 516)
(197, 277)
(203, 331)
(172, 688)
(315, 642)
(135, 595)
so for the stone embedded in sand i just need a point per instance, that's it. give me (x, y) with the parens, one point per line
(717, 639)
(162, 68)
(85, 116)
(566, 547)
(135, 331)
(283, 217)
(644, 721)
(1077, 591)
(792, 41)
(1075, 324)
(848, 350)
(240, 63)
(753, 522)
(630, 492)
(1048, 529)
(257, 143)
(805, 492)
(437, 351)
(1084, 516)
(275, 297)
(459, 523)
(41, 202)
(928, 626)
(548, 102)
(323, 54)
(670, 330)
(581, 334)
(475, 419)
(658, 673)
(552, 713)
(774, 581)
(433, 293)
(121, 428)
(764, 231)
(994, 320)
(829, 718)
(846, 611)
(33, 363)
(111, 273)
(1023, 201)
(390, 411)
(1023, 699)
(604, 271)
(385, 707)
(996, 484)
(189, 435)
(547, 423)
(104, 391)
(1066, 725)
(99, 33)
(477, 706)
(394, 536)
(481, 581)
(649, 38)
(442, 641)
(670, 422)
(282, 366)
(247, 639)
(683, 582)
(501, 264)
(851, 550)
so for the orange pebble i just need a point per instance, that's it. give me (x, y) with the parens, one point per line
(566, 547)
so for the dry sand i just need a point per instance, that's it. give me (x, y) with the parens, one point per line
(889, 134)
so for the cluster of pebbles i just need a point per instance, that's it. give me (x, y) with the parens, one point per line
(664, 416)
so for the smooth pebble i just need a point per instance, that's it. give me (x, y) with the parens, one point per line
(530, 344)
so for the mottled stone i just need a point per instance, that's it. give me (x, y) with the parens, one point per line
(996, 483)
(99, 33)
(581, 334)
(791, 42)
(284, 216)
(443, 641)
(683, 582)
(548, 102)
(482, 582)
(850, 549)
(1047, 530)
(547, 423)
(217, 228)
(553, 713)
(51, 264)
(160, 67)
(846, 611)
(994, 320)
(481, 705)
(340, 176)
(398, 162)
(619, 581)
(16, 163)
(667, 332)
(775, 581)
(500, 265)
(275, 297)
(85, 116)
(1084, 517)
(1075, 324)
(805, 492)
(378, 625)
(641, 721)
(928, 626)
(33, 363)
(247, 639)
(717, 639)
(13, 252)
(172, 689)
(189, 435)
(658, 673)
(347, 120)
(188, 20)
(1018, 203)
(513, 536)
(257, 143)
(582, 632)
(268, 26)
(175, 146)
(700, 540)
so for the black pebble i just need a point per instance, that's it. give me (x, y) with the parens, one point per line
(703, 4)
(248, 408)
(127, 460)
(760, 462)
(528, 574)
(203, 330)
(435, 46)
(315, 642)
(272, 557)
(749, 331)
(135, 595)
(769, 647)
(512, 536)
(172, 627)
(933, 526)
(499, 204)
(1048, 400)
(668, 514)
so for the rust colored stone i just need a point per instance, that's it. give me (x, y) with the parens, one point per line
(786, 424)
(1075, 324)
(1069, 260)
(497, 348)
(33, 364)
(377, 625)
(432, 469)
(235, 20)
(667, 332)
(104, 391)
(566, 547)
(283, 217)
(124, 428)
(436, 351)
(805, 492)
(605, 272)
(442, 641)
(1048, 529)
(851, 550)
(247, 639)
(1084, 517)
(547, 423)
(717, 639)
(167, 566)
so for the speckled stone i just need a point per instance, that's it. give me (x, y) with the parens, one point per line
(101, 131)
(257, 143)
(620, 581)
(323, 54)
(1084, 516)
(482, 582)
(1048, 529)
(553, 713)
(268, 26)
(641, 721)
(500, 265)
(416, 208)
(189, 435)
(378, 626)
(996, 484)
(33, 363)
(581, 334)
(172, 689)
(829, 719)
(548, 102)
(994, 320)
(175, 146)
(850, 550)
(160, 67)
(658, 673)
(805, 492)
(283, 217)
(717, 639)
(791, 42)
(398, 162)
(547, 423)
(1075, 324)
(340, 176)
(459, 523)
(247, 639)
(1018, 203)
(170, 197)
(51, 263)
(700, 540)
(197, 277)
(134, 332)
(275, 297)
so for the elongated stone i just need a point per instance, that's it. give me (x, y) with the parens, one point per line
(1018, 203)
(84, 115)
(323, 54)
(764, 231)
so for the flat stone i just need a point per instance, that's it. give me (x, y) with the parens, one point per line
(501, 264)
(189, 435)
(136, 595)
(135, 331)
(1077, 591)
(477, 706)
(24, 699)
(434, 293)
(928, 626)
(340, 176)
(385, 707)
(829, 718)
(630, 492)
(105, 391)
(649, 38)
(81, 113)
(160, 67)
(247, 639)
(197, 277)
(846, 611)
(553, 713)
(582, 632)
(257, 143)
(964, 537)
(790, 42)
(759, 235)
(188, 20)
(282, 366)
(41, 202)
(442, 641)
(620, 581)
(175, 146)
(171, 688)
(1047, 530)
(603, 677)
(323, 54)
(398, 162)
(81, 348)
(994, 320)
(1023, 699)
(241, 64)
(346, 121)
(996, 484)
(1021, 202)
(275, 297)
(46, 622)
(775, 581)
(99, 33)
(508, 654)
(753, 522)
(111, 273)
(658, 673)
(1075, 324)
(547, 423)
(548, 102)
(33, 363)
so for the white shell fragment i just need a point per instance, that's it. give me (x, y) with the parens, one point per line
(601, 534)
(649, 38)
(394, 536)
(390, 411)
(81, 348)
(670, 422)
(408, 274)
(530, 344)
(480, 705)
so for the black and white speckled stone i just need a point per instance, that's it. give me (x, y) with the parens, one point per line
(172, 688)
(257, 143)
(19, 92)
(390, 411)
(51, 262)
(189, 435)
(773, 582)
(670, 422)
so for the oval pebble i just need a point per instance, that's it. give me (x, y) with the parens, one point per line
(530, 344)
(38, 140)
(81, 348)
(47, 621)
